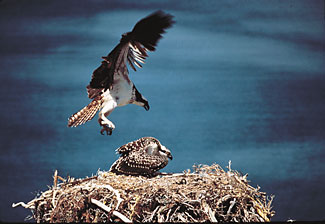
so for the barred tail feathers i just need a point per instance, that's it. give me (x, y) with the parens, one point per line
(85, 114)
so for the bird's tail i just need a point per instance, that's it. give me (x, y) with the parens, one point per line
(85, 114)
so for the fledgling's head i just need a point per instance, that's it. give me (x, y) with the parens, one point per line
(154, 147)
(165, 152)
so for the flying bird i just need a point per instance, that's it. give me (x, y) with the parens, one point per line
(142, 157)
(110, 85)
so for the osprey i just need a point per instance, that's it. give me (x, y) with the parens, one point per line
(144, 157)
(110, 85)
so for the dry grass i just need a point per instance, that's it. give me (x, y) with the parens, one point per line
(208, 193)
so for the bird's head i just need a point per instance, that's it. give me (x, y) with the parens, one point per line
(143, 103)
(165, 152)
(146, 105)
(140, 100)
(156, 148)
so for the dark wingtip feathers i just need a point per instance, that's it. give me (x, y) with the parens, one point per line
(148, 30)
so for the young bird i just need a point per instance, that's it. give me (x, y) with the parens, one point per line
(144, 157)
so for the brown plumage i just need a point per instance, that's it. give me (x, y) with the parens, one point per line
(142, 157)
(87, 113)
(111, 79)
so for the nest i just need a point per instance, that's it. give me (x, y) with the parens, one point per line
(208, 193)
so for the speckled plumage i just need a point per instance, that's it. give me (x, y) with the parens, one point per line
(142, 157)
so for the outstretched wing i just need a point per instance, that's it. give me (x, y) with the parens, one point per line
(145, 36)
(148, 30)
(133, 48)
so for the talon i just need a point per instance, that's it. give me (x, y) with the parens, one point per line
(107, 129)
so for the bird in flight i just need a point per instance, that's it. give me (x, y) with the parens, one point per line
(144, 157)
(110, 85)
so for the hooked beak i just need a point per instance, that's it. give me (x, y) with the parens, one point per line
(169, 155)
(146, 106)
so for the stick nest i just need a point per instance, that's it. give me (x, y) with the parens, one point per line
(208, 193)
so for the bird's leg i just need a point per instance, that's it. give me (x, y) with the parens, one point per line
(107, 125)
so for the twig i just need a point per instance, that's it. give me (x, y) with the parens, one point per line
(55, 178)
(133, 207)
(153, 213)
(232, 203)
(179, 216)
(109, 187)
(160, 216)
(101, 205)
(81, 181)
(53, 198)
(168, 213)
(209, 212)
(14, 205)
(108, 209)
(188, 215)
(229, 165)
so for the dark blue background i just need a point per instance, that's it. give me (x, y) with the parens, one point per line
(232, 80)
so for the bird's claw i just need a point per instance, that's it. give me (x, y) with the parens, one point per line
(107, 129)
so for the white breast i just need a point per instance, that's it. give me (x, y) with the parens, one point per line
(122, 90)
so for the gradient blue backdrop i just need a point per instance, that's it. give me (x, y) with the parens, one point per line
(232, 80)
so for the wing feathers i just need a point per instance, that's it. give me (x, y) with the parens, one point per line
(148, 30)
(130, 63)
(132, 48)
(136, 55)
(145, 36)
(138, 164)
(131, 146)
